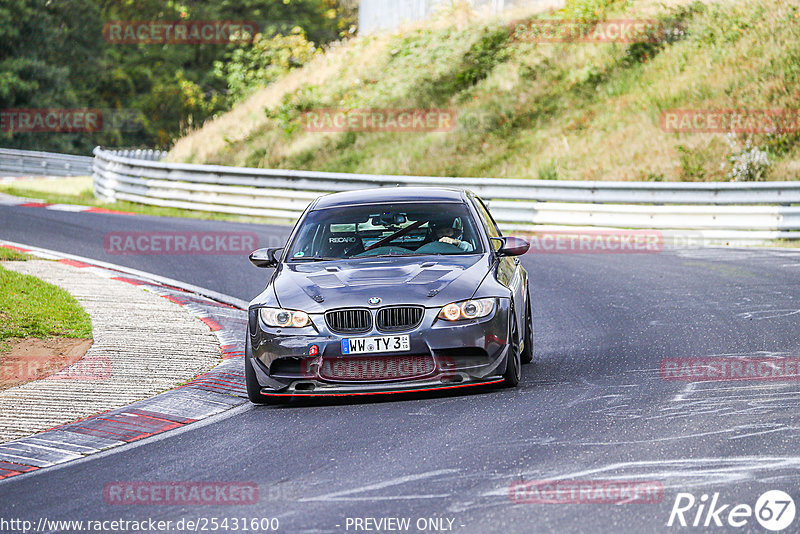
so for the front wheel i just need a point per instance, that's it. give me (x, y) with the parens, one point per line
(513, 372)
(250, 380)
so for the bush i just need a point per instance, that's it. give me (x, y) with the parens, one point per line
(548, 171)
(265, 61)
(750, 163)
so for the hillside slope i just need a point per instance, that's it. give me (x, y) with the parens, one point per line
(574, 110)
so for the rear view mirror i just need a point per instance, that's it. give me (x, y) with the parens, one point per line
(389, 219)
(265, 257)
(513, 246)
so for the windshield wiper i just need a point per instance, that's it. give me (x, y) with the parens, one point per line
(387, 256)
(311, 258)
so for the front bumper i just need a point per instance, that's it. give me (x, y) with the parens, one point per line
(465, 353)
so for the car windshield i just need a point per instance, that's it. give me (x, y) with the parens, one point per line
(403, 229)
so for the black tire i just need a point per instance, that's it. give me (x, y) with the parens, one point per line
(250, 380)
(527, 352)
(513, 372)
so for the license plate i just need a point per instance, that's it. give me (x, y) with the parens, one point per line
(370, 345)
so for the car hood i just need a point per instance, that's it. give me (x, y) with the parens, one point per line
(426, 280)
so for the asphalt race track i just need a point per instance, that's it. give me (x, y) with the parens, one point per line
(594, 406)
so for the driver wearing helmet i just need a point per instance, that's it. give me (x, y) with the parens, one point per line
(444, 232)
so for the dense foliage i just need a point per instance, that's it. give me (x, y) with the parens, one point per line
(53, 55)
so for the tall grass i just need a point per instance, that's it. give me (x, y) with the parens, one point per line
(586, 111)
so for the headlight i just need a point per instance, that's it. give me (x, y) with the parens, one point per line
(278, 317)
(468, 309)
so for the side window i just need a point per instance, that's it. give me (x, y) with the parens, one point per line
(488, 222)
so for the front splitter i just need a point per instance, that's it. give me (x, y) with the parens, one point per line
(342, 392)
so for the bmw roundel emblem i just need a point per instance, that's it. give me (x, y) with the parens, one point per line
(375, 301)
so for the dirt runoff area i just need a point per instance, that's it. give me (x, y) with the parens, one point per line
(32, 359)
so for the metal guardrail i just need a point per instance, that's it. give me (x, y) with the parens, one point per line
(141, 154)
(31, 163)
(730, 210)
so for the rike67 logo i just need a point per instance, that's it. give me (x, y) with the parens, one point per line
(774, 510)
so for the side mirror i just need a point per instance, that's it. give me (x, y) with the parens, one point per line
(265, 257)
(513, 246)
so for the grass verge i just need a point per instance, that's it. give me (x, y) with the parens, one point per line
(7, 254)
(30, 307)
(79, 191)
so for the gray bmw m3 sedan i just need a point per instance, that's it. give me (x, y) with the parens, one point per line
(389, 290)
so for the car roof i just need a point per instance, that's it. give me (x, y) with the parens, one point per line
(389, 194)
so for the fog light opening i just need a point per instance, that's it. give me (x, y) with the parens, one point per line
(452, 379)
